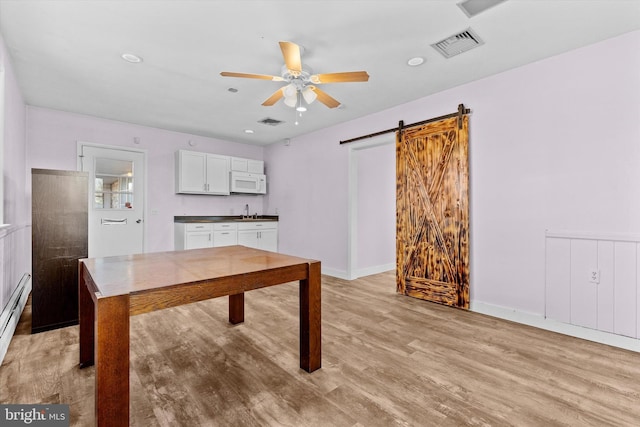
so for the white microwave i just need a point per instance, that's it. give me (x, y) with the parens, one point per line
(245, 182)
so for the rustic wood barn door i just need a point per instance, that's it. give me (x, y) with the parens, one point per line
(433, 212)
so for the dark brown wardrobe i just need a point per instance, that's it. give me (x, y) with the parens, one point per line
(59, 238)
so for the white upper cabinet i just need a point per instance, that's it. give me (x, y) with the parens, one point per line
(240, 164)
(202, 173)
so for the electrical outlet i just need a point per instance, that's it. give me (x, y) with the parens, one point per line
(594, 276)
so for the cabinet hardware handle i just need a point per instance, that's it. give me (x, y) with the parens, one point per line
(107, 221)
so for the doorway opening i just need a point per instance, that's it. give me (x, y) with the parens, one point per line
(371, 245)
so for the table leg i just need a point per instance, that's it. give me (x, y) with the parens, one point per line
(112, 361)
(310, 320)
(86, 312)
(236, 308)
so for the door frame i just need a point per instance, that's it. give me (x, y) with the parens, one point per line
(143, 151)
(352, 199)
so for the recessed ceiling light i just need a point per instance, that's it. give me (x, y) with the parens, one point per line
(248, 131)
(414, 62)
(130, 57)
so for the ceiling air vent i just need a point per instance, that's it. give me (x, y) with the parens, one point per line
(458, 43)
(270, 122)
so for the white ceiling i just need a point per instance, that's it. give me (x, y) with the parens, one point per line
(67, 54)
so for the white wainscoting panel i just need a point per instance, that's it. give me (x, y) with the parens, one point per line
(611, 303)
(584, 294)
(605, 287)
(558, 280)
(624, 294)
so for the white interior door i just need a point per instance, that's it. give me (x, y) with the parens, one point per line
(116, 200)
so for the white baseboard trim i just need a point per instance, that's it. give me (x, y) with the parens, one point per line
(541, 322)
(340, 274)
(12, 312)
(368, 271)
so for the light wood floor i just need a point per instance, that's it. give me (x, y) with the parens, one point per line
(387, 360)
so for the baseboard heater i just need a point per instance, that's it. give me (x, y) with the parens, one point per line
(12, 312)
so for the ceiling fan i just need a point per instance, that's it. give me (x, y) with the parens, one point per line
(301, 80)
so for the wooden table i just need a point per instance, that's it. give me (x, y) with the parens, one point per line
(112, 289)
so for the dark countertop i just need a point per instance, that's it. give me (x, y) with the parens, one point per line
(223, 218)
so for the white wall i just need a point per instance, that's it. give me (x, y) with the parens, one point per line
(374, 193)
(15, 236)
(52, 137)
(553, 145)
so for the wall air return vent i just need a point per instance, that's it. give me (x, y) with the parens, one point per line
(270, 122)
(458, 43)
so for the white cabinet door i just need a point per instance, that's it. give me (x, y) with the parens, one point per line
(199, 239)
(248, 238)
(217, 174)
(255, 166)
(225, 238)
(239, 164)
(268, 240)
(202, 173)
(190, 172)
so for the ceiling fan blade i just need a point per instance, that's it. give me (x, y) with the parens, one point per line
(252, 76)
(350, 76)
(291, 54)
(274, 98)
(325, 98)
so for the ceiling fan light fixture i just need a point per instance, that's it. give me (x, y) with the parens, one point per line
(309, 95)
(290, 90)
(291, 101)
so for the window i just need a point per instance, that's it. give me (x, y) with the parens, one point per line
(114, 184)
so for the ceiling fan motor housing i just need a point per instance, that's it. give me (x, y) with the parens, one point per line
(299, 79)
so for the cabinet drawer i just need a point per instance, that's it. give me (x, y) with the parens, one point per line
(199, 227)
(257, 225)
(221, 226)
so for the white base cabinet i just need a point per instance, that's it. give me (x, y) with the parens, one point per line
(259, 235)
(254, 234)
(192, 236)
